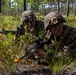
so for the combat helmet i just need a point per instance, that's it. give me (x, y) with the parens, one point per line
(28, 15)
(53, 18)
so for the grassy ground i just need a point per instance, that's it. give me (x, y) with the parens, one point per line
(9, 49)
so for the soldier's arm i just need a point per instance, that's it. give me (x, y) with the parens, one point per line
(70, 47)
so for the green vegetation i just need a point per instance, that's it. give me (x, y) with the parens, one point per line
(9, 49)
(71, 21)
(58, 61)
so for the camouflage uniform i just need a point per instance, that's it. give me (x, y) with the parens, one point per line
(28, 15)
(37, 30)
(67, 39)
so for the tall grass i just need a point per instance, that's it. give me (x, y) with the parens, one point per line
(60, 62)
(71, 21)
(9, 49)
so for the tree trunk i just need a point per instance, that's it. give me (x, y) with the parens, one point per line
(9, 8)
(0, 6)
(60, 6)
(24, 5)
(67, 11)
(58, 9)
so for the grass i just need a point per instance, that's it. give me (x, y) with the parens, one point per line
(10, 50)
(61, 63)
(71, 21)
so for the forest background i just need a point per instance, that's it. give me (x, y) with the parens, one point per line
(10, 14)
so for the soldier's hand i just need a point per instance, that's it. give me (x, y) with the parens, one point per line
(65, 49)
(40, 54)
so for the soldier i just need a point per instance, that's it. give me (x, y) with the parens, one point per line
(58, 33)
(34, 26)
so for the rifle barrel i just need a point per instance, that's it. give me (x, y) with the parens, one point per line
(6, 32)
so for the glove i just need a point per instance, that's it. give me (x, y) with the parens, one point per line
(65, 49)
(40, 54)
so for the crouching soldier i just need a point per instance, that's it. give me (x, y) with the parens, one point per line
(60, 34)
(34, 26)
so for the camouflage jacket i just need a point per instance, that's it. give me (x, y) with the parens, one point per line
(67, 38)
(39, 28)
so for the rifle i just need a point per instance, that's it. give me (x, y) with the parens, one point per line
(20, 31)
(38, 44)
